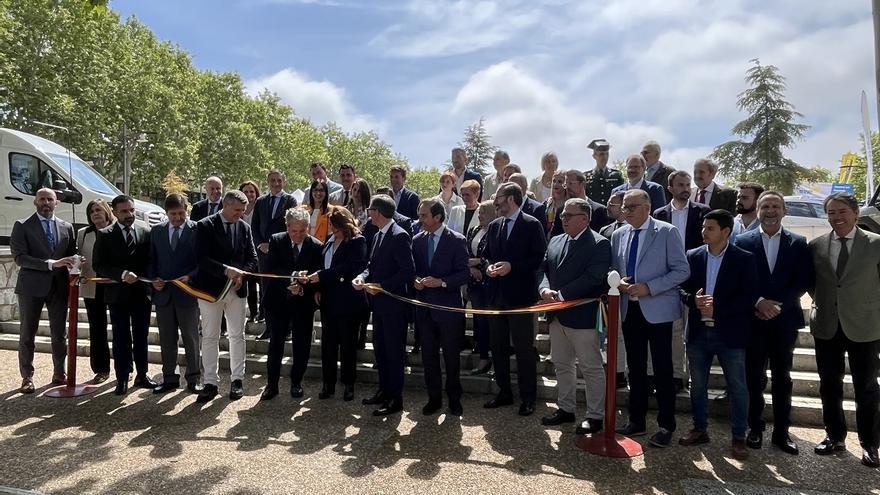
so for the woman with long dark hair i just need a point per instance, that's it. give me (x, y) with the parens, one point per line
(318, 207)
(360, 199)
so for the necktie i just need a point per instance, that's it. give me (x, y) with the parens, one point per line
(50, 236)
(275, 201)
(702, 197)
(229, 235)
(212, 208)
(295, 253)
(376, 244)
(431, 248)
(129, 240)
(506, 228)
(345, 199)
(633, 255)
(565, 250)
(175, 238)
(843, 257)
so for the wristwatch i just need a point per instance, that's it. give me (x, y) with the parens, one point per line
(443, 283)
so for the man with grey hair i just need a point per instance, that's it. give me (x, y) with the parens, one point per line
(656, 170)
(225, 249)
(635, 174)
(211, 204)
(575, 267)
(708, 192)
(492, 181)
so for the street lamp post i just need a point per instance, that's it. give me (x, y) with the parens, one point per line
(140, 137)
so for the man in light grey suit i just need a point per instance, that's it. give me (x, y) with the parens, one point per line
(173, 256)
(650, 255)
(43, 246)
(844, 319)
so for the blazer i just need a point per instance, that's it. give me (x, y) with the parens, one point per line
(391, 266)
(723, 198)
(409, 204)
(337, 198)
(655, 192)
(332, 187)
(200, 210)
(853, 301)
(280, 261)
(735, 294)
(264, 224)
(112, 259)
(334, 283)
(598, 219)
(661, 264)
(661, 177)
(610, 228)
(215, 252)
(450, 263)
(30, 249)
(524, 250)
(322, 224)
(534, 208)
(581, 273)
(85, 246)
(456, 219)
(693, 235)
(369, 229)
(169, 264)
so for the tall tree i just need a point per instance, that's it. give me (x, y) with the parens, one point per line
(477, 146)
(772, 128)
(860, 167)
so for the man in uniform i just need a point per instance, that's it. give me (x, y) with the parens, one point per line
(601, 180)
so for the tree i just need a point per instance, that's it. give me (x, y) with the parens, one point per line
(860, 167)
(771, 126)
(477, 146)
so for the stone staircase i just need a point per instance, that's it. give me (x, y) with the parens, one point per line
(806, 407)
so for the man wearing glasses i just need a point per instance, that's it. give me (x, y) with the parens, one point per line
(601, 180)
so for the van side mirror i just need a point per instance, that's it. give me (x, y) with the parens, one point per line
(69, 196)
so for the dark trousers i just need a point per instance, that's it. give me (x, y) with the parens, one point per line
(449, 336)
(281, 321)
(770, 343)
(178, 322)
(389, 345)
(253, 296)
(99, 348)
(261, 263)
(481, 323)
(29, 309)
(339, 338)
(863, 365)
(521, 330)
(131, 322)
(638, 334)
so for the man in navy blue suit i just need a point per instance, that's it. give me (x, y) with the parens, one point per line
(514, 252)
(721, 293)
(686, 215)
(391, 266)
(785, 272)
(406, 201)
(459, 168)
(441, 261)
(635, 173)
(530, 206)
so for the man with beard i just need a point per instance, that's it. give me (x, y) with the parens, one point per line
(347, 177)
(746, 208)
(635, 175)
(657, 171)
(490, 185)
(459, 168)
(707, 191)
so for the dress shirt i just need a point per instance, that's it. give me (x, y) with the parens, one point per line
(739, 227)
(459, 179)
(713, 264)
(397, 195)
(54, 228)
(475, 243)
(171, 232)
(637, 185)
(328, 252)
(835, 246)
(643, 226)
(710, 189)
(512, 217)
(650, 171)
(680, 219)
(276, 202)
(570, 242)
(771, 246)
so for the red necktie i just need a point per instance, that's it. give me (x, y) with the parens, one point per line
(702, 197)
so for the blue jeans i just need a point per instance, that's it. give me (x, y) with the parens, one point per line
(702, 346)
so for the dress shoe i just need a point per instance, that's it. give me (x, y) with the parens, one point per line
(482, 369)
(326, 392)
(869, 458)
(100, 378)
(455, 408)
(207, 394)
(829, 446)
(663, 438)
(296, 391)
(236, 390)
(377, 399)
(558, 417)
(165, 387)
(432, 406)
(59, 379)
(527, 408)
(389, 407)
(694, 437)
(269, 393)
(27, 386)
(499, 401)
(621, 381)
(738, 449)
(121, 387)
(194, 387)
(632, 430)
(754, 439)
(785, 443)
(588, 426)
(144, 381)
(265, 335)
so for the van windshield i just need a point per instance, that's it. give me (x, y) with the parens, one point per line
(85, 175)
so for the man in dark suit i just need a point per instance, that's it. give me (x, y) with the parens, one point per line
(441, 262)
(289, 303)
(225, 250)
(43, 246)
(710, 193)
(785, 272)
(122, 253)
(686, 215)
(406, 201)
(530, 206)
(635, 173)
(391, 266)
(370, 229)
(575, 267)
(656, 170)
(173, 257)
(347, 176)
(514, 251)
(459, 168)
(721, 272)
(211, 204)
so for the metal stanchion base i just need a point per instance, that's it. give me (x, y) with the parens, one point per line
(65, 391)
(619, 446)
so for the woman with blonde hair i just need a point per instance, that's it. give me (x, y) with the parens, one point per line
(542, 185)
(558, 195)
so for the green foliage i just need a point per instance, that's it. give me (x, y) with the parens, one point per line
(771, 126)
(860, 166)
(478, 147)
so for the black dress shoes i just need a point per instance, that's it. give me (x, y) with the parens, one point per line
(265, 335)
(829, 446)
(869, 458)
(377, 399)
(632, 430)
(121, 387)
(193, 388)
(166, 387)
(296, 391)
(236, 390)
(499, 401)
(455, 408)
(557, 418)
(269, 393)
(754, 439)
(432, 406)
(143, 381)
(207, 394)
(588, 426)
(348, 393)
(326, 392)
(389, 407)
(785, 443)
(527, 408)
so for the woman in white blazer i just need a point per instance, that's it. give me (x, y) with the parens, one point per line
(466, 213)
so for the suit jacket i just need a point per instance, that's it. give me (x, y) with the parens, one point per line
(370, 229)
(409, 204)
(337, 294)
(693, 235)
(655, 192)
(598, 219)
(215, 252)
(581, 273)
(450, 263)
(524, 250)
(661, 263)
(30, 249)
(264, 224)
(337, 198)
(723, 198)
(534, 208)
(456, 219)
(853, 301)
(200, 210)
(734, 297)
(112, 259)
(280, 261)
(610, 228)
(661, 177)
(168, 265)
(391, 266)
(791, 278)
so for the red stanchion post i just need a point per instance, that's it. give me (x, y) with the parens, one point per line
(608, 443)
(71, 389)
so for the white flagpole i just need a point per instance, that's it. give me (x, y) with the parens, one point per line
(869, 146)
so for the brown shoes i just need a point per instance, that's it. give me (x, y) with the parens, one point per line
(694, 437)
(100, 378)
(59, 379)
(27, 386)
(738, 449)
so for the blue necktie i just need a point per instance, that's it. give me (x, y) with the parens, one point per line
(50, 236)
(506, 228)
(430, 249)
(633, 254)
(275, 201)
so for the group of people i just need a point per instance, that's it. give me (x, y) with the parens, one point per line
(707, 272)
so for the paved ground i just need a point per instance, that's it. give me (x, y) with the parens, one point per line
(145, 444)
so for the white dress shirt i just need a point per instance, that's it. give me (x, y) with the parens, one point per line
(680, 219)
(834, 253)
(771, 246)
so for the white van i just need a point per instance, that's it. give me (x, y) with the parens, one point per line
(29, 162)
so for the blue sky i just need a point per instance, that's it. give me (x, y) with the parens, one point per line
(546, 74)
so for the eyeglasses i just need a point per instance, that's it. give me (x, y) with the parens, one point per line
(567, 216)
(632, 208)
(614, 204)
(371, 209)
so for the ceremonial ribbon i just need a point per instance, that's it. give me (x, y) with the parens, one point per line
(185, 287)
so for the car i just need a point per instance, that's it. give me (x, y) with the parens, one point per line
(806, 216)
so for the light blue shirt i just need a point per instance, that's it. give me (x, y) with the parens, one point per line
(275, 203)
(713, 264)
(649, 173)
(512, 217)
(171, 232)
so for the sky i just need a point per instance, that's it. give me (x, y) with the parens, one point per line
(547, 75)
